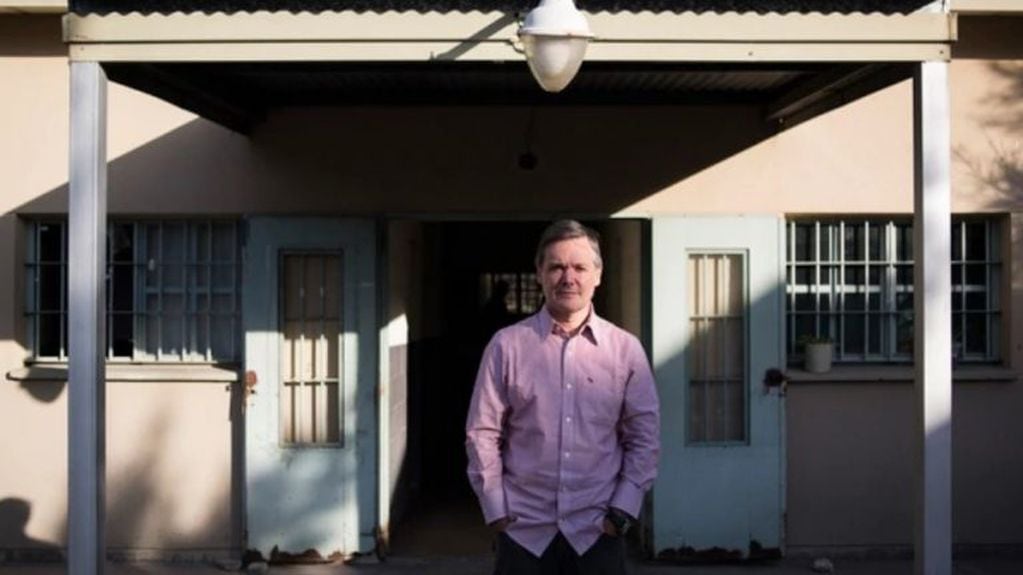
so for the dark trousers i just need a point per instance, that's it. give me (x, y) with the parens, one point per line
(606, 557)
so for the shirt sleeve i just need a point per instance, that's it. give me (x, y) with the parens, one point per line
(484, 433)
(640, 433)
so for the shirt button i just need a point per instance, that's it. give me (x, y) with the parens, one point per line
(567, 455)
(568, 385)
(568, 420)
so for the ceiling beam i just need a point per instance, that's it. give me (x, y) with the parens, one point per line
(832, 89)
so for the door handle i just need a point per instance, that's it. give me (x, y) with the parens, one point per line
(250, 383)
(775, 378)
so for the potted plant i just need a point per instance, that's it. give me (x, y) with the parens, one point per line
(818, 351)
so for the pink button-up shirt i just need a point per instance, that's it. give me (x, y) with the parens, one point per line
(560, 428)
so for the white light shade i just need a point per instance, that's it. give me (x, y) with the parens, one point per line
(554, 61)
(555, 35)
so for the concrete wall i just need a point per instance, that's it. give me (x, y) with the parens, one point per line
(593, 162)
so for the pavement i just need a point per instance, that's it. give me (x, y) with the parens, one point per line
(481, 565)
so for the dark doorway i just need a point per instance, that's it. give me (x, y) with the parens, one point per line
(474, 278)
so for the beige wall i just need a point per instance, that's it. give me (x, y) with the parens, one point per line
(592, 162)
(850, 446)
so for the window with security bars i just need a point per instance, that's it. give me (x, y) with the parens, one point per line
(520, 291)
(851, 281)
(716, 355)
(172, 290)
(311, 304)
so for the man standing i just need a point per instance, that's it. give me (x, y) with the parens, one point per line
(562, 432)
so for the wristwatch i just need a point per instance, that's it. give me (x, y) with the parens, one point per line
(620, 519)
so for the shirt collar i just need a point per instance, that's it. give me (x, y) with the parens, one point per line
(592, 325)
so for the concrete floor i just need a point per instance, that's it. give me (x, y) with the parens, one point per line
(480, 565)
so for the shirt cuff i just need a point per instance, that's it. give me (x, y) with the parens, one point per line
(493, 505)
(628, 498)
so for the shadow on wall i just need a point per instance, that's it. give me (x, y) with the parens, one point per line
(593, 161)
(31, 36)
(325, 161)
(999, 167)
(996, 166)
(14, 516)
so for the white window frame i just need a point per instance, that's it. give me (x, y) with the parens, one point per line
(976, 275)
(202, 321)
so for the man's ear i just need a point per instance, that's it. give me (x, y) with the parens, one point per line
(600, 274)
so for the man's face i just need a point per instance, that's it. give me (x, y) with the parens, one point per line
(568, 275)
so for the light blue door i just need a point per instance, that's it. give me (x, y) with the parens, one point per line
(717, 328)
(310, 351)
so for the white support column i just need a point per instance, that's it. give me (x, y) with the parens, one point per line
(87, 214)
(933, 310)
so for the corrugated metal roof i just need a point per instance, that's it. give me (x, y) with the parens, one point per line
(676, 6)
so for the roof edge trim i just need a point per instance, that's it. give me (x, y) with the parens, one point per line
(269, 27)
(987, 6)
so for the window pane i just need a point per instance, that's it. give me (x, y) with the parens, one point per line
(827, 246)
(224, 242)
(805, 302)
(866, 302)
(875, 334)
(854, 242)
(853, 333)
(49, 334)
(805, 326)
(904, 242)
(904, 334)
(716, 355)
(51, 242)
(310, 352)
(173, 243)
(904, 301)
(855, 302)
(976, 334)
(877, 242)
(854, 276)
(904, 275)
(976, 275)
(122, 243)
(50, 287)
(122, 287)
(976, 300)
(957, 241)
(121, 331)
(976, 236)
(805, 248)
(199, 241)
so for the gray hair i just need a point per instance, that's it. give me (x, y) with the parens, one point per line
(562, 230)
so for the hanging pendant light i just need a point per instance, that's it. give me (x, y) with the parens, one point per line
(555, 35)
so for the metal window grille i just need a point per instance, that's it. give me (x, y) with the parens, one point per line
(173, 291)
(852, 281)
(523, 294)
(716, 355)
(311, 360)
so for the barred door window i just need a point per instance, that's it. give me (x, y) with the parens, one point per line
(716, 358)
(172, 290)
(851, 281)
